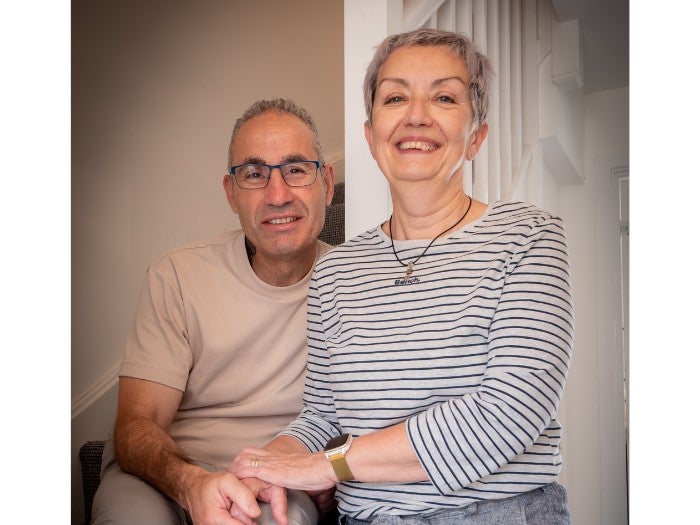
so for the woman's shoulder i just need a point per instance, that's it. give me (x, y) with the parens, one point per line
(512, 213)
(359, 246)
(515, 220)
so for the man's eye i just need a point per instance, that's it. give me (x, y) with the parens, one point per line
(253, 172)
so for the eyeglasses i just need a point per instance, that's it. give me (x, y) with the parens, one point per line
(256, 176)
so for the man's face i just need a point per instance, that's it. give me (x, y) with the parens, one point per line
(282, 222)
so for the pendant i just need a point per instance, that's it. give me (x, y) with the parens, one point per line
(409, 269)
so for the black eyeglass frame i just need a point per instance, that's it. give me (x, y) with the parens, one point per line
(232, 173)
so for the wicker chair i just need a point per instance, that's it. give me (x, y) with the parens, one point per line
(90, 454)
(90, 463)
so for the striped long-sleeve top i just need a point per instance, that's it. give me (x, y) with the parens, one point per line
(471, 352)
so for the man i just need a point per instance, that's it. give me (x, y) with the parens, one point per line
(216, 358)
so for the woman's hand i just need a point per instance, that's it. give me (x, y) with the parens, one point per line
(302, 471)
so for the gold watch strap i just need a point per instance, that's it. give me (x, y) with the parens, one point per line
(341, 468)
(335, 452)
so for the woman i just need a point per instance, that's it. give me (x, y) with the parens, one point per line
(441, 339)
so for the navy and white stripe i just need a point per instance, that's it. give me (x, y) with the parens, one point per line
(472, 355)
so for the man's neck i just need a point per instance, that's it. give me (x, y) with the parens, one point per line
(283, 271)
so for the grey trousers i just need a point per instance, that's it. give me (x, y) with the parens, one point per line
(123, 499)
(543, 506)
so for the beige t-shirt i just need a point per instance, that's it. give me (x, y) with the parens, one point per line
(234, 345)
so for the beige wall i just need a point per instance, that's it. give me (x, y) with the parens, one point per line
(156, 87)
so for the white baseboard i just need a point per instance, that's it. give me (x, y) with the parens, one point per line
(86, 399)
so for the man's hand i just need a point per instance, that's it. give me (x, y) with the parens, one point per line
(219, 498)
(272, 494)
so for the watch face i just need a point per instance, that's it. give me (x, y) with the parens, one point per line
(336, 442)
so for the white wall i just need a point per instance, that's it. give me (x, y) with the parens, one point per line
(156, 87)
(594, 498)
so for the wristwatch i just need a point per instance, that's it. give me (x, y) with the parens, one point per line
(335, 451)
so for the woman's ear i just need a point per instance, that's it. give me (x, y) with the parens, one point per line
(369, 138)
(477, 138)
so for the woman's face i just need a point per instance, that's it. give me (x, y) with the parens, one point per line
(421, 115)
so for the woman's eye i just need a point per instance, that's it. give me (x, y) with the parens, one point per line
(394, 99)
(446, 99)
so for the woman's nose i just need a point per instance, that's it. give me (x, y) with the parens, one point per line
(419, 113)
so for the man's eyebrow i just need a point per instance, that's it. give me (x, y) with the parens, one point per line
(253, 160)
(292, 157)
(295, 157)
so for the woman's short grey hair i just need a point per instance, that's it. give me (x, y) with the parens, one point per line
(280, 105)
(479, 68)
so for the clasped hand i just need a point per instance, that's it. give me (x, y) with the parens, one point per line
(219, 498)
(311, 473)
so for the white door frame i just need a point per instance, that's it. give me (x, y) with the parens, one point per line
(611, 361)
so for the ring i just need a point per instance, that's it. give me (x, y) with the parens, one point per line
(254, 462)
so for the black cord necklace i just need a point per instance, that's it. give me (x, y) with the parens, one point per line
(409, 266)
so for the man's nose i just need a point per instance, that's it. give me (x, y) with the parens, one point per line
(278, 192)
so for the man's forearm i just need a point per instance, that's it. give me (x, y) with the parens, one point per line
(145, 450)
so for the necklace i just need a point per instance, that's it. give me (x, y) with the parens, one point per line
(409, 266)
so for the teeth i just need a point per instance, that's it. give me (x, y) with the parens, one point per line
(282, 221)
(424, 146)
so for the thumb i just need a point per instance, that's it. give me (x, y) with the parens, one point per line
(241, 496)
(278, 502)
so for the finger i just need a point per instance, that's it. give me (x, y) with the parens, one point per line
(241, 496)
(252, 467)
(257, 487)
(252, 451)
(242, 462)
(278, 502)
(241, 470)
(237, 514)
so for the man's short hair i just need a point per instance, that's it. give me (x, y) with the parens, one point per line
(279, 105)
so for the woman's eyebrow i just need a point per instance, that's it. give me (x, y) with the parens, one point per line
(434, 83)
(396, 80)
(447, 79)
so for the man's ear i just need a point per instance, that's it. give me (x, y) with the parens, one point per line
(228, 188)
(329, 177)
(477, 139)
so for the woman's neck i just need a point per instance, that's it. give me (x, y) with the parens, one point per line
(423, 216)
